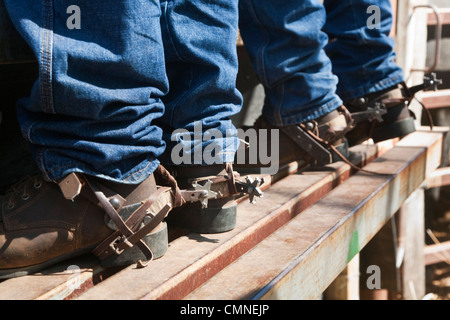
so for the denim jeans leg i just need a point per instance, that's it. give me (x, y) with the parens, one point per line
(200, 49)
(285, 43)
(361, 51)
(93, 106)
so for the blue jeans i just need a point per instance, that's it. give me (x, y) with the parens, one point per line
(199, 39)
(103, 77)
(362, 57)
(287, 42)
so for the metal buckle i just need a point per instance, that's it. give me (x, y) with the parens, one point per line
(120, 239)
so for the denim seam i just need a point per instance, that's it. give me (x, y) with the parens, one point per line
(46, 57)
(41, 164)
(26, 131)
(260, 56)
(75, 167)
(377, 86)
(139, 171)
(179, 56)
(166, 25)
(361, 38)
(306, 116)
(279, 118)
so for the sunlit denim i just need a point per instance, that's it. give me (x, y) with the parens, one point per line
(100, 87)
(362, 53)
(199, 38)
(286, 42)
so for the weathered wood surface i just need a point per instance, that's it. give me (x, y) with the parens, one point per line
(436, 253)
(436, 99)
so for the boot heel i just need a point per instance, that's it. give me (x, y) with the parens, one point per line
(157, 241)
(219, 216)
(397, 129)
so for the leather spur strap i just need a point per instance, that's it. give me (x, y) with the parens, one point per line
(310, 145)
(128, 232)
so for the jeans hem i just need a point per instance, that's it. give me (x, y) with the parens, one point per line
(306, 116)
(142, 173)
(373, 87)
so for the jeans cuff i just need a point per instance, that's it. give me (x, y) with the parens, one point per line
(373, 87)
(58, 172)
(299, 117)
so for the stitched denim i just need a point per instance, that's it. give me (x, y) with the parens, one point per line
(100, 87)
(362, 56)
(199, 38)
(287, 42)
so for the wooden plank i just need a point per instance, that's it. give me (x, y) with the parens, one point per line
(439, 178)
(436, 99)
(444, 16)
(301, 259)
(393, 32)
(436, 253)
(397, 250)
(411, 244)
(346, 285)
(57, 283)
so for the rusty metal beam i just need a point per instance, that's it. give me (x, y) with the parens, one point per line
(301, 259)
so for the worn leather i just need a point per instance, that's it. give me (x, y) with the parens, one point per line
(396, 101)
(38, 224)
(326, 128)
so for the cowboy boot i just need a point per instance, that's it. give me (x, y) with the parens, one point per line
(42, 223)
(381, 116)
(385, 114)
(320, 142)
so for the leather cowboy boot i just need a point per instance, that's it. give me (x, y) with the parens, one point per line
(320, 141)
(42, 223)
(385, 114)
(381, 116)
